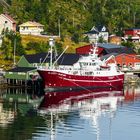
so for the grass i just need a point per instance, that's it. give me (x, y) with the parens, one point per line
(67, 42)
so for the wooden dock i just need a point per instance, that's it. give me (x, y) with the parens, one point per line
(132, 76)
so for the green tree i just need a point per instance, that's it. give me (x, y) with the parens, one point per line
(77, 16)
(12, 41)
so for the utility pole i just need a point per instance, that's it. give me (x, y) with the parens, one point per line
(59, 27)
(134, 18)
(15, 51)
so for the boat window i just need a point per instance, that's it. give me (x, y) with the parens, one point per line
(85, 64)
(89, 73)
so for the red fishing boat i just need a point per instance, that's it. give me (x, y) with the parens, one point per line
(87, 73)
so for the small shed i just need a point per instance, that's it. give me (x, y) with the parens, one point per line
(115, 39)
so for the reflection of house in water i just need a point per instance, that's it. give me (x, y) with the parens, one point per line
(25, 100)
(132, 92)
(6, 116)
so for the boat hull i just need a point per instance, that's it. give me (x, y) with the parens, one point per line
(54, 80)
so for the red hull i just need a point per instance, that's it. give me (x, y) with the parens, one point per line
(54, 79)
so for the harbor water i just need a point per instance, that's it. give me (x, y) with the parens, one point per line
(69, 115)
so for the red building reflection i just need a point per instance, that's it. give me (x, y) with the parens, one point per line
(131, 93)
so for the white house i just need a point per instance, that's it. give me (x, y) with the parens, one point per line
(31, 27)
(96, 32)
(7, 22)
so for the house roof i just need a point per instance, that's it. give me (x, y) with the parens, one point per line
(92, 32)
(8, 17)
(109, 45)
(31, 24)
(68, 59)
(130, 56)
(37, 58)
(101, 28)
(110, 48)
(21, 69)
(97, 30)
(132, 29)
(121, 50)
(65, 59)
(108, 55)
(87, 48)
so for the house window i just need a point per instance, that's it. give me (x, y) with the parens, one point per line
(35, 64)
(124, 65)
(119, 65)
(10, 72)
(103, 29)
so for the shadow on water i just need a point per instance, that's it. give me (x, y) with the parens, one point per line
(28, 114)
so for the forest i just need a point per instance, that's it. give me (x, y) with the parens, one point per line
(76, 16)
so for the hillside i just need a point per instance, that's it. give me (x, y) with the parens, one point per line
(76, 16)
(66, 42)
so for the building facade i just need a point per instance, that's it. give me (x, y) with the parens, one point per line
(132, 34)
(31, 27)
(7, 22)
(97, 33)
(127, 61)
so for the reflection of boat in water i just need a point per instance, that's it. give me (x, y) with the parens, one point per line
(88, 105)
(73, 100)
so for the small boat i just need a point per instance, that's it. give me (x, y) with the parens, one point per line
(87, 73)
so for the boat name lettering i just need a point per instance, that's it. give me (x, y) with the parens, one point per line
(110, 77)
(62, 74)
(53, 72)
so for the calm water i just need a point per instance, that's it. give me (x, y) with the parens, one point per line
(96, 115)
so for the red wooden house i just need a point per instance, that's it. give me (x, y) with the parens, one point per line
(104, 49)
(127, 61)
(124, 56)
(87, 49)
(132, 34)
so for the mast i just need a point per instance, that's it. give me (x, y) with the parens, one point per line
(60, 55)
(51, 43)
(95, 46)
